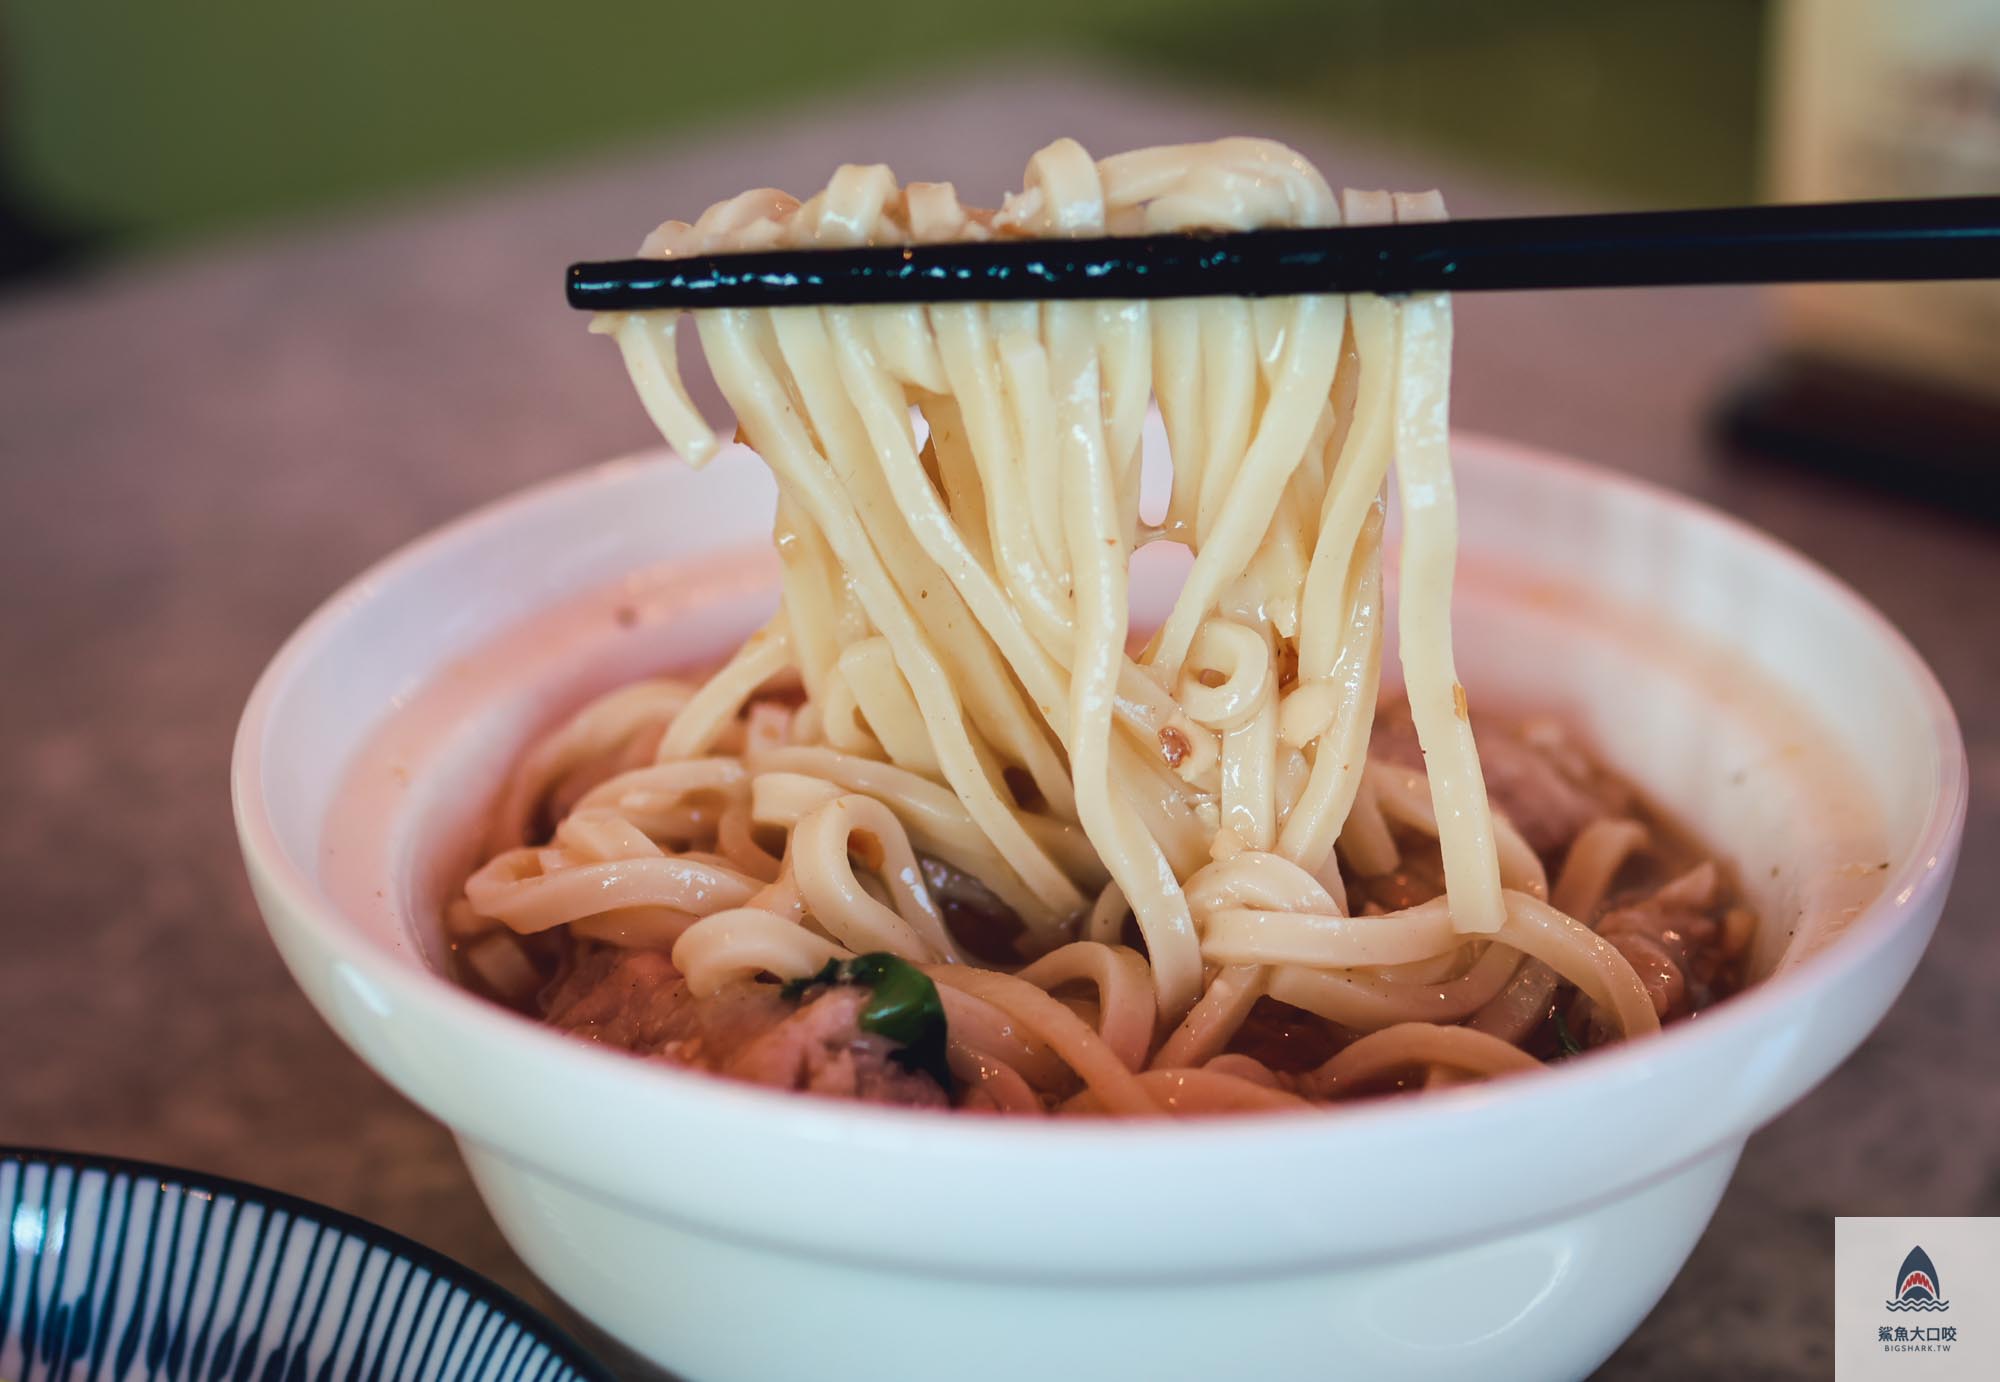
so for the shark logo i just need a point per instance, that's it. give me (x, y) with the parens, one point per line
(1917, 1285)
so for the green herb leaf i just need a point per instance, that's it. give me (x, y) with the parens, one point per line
(795, 989)
(1571, 1046)
(905, 1008)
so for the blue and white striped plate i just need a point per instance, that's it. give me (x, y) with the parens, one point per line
(116, 1271)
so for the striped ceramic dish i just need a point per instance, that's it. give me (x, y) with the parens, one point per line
(113, 1271)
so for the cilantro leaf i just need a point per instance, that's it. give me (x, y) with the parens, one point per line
(795, 989)
(904, 1007)
(1571, 1046)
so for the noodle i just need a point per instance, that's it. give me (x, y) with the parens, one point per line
(1177, 828)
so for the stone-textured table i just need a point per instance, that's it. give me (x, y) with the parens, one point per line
(195, 450)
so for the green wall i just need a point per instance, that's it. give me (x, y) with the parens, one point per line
(165, 120)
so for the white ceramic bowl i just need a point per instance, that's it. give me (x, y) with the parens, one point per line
(1514, 1230)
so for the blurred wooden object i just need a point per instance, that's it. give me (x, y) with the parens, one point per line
(1877, 100)
(1894, 383)
(1896, 432)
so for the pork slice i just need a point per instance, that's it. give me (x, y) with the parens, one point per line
(821, 1049)
(637, 1001)
(1535, 776)
(630, 999)
(1417, 879)
(1673, 937)
(976, 917)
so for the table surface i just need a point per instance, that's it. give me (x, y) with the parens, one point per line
(197, 450)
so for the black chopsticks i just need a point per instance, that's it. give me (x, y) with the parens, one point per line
(1870, 241)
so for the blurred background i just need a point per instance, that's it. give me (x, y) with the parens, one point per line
(130, 126)
(132, 129)
(278, 293)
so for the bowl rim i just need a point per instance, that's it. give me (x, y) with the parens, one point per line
(1921, 870)
(478, 1287)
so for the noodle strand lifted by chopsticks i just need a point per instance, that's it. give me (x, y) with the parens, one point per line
(958, 515)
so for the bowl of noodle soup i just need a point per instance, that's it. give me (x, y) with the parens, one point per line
(410, 793)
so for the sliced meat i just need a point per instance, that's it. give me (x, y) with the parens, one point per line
(1394, 737)
(1417, 879)
(821, 1049)
(1283, 1039)
(976, 917)
(1539, 778)
(631, 999)
(1674, 938)
(637, 1001)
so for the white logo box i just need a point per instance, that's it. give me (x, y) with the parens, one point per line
(1916, 1298)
